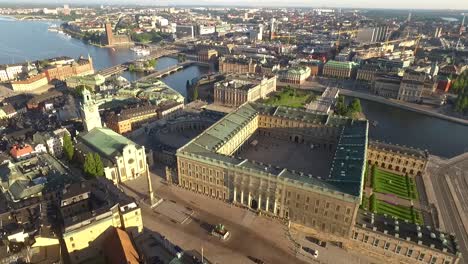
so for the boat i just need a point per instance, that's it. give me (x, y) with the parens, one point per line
(141, 51)
(53, 28)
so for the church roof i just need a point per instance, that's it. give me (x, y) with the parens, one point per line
(105, 141)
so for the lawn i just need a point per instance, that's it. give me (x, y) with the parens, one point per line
(400, 212)
(387, 182)
(290, 97)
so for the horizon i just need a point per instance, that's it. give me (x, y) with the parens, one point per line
(359, 4)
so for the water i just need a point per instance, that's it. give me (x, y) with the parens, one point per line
(449, 19)
(30, 40)
(398, 126)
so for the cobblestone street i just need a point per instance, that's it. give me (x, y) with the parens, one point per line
(251, 235)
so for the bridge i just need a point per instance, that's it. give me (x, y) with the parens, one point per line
(108, 72)
(167, 71)
(119, 68)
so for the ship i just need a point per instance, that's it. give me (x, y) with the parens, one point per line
(53, 28)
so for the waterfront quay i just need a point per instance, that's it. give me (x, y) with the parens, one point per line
(348, 88)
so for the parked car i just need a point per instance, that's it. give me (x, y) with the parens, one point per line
(317, 241)
(311, 251)
(256, 260)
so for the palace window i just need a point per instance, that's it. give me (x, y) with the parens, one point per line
(355, 236)
(409, 253)
(398, 249)
(421, 256)
(376, 242)
(386, 245)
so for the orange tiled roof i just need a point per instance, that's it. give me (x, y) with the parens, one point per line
(18, 151)
(119, 249)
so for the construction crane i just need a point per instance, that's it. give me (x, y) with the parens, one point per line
(418, 39)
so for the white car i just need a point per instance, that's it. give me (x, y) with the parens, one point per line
(314, 253)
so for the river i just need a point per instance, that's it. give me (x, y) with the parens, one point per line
(30, 40)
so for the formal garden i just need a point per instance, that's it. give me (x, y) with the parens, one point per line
(398, 211)
(291, 97)
(392, 195)
(387, 182)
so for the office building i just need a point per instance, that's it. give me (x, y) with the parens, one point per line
(185, 31)
(29, 84)
(237, 89)
(295, 74)
(339, 69)
(372, 34)
(92, 211)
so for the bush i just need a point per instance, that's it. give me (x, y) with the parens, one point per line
(373, 177)
(373, 203)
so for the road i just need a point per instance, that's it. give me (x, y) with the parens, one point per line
(251, 235)
(260, 237)
(442, 173)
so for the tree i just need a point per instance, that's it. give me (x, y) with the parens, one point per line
(68, 148)
(355, 106)
(373, 203)
(195, 93)
(341, 108)
(181, 57)
(80, 88)
(151, 63)
(89, 166)
(99, 165)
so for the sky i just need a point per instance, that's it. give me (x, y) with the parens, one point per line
(394, 4)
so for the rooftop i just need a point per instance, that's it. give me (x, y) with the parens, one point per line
(340, 64)
(105, 141)
(348, 162)
(423, 235)
(397, 148)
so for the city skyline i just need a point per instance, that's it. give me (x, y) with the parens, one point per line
(169, 131)
(363, 4)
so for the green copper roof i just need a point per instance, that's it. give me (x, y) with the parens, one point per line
(105, 141)
(340, 64)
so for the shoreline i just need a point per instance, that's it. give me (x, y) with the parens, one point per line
(382, 100)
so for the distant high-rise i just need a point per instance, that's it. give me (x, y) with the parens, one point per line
(438, 32)
(409, 17)
(462, 26)
(272, 28)
(372, 34)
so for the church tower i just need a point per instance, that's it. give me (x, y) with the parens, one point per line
(89, 112)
